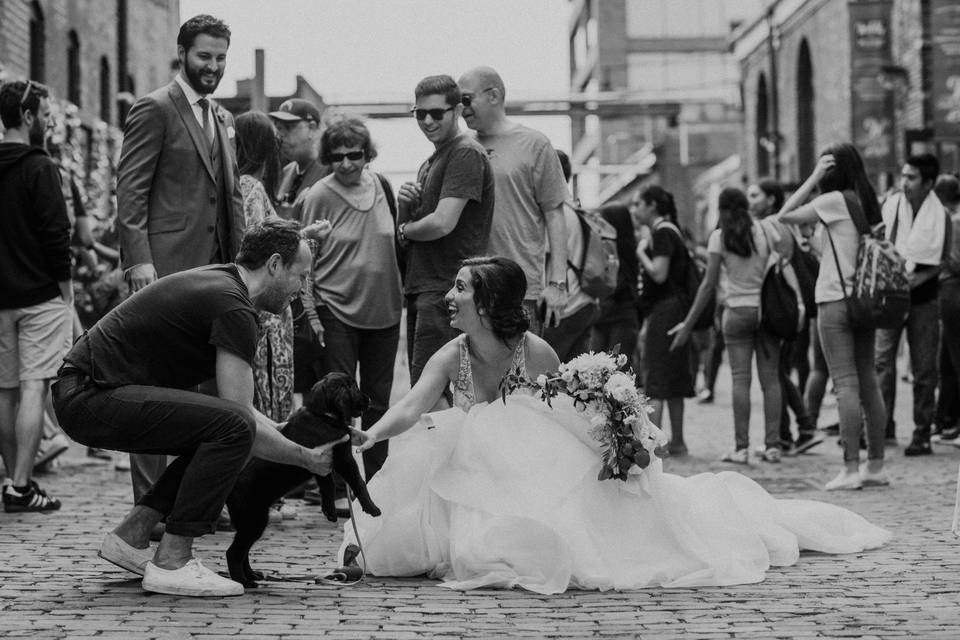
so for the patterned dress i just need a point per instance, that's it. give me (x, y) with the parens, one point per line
(273, 365)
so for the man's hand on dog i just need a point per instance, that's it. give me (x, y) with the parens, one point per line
(362, 440)
(320, 459)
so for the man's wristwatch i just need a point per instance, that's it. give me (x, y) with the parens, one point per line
(400, 234)
(559, 284)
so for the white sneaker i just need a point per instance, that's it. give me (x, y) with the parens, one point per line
(192, 579)
(845, 481)
(737, 456)
(114, 549)
(868, 479)
(50, 448)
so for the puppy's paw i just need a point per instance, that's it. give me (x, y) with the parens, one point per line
(330, 514)
(373, 510)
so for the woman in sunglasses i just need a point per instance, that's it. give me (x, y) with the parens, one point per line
(356, 282)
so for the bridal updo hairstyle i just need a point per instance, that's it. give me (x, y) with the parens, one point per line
(499, 287)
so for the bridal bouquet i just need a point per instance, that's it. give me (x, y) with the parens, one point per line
(606, 392)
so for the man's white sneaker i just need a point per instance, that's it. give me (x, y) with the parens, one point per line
(845, 481)
(192, 579)
(114, 549)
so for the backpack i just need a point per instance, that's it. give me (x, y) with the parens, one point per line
(692, 277)
(880, 298)
(599, 261)
(779, 309)
(807, 267)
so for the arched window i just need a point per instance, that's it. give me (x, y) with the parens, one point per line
(105, 92)
(762, 132)
(73, 68)
(806, 130)
(38, 43)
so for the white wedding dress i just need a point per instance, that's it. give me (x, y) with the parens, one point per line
(505, 494)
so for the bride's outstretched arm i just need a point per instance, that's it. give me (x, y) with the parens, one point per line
(421, 398)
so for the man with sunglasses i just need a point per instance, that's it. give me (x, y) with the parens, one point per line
(445, 217)
(530, 191)
(35, 290)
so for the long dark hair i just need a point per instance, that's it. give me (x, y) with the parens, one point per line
(618, 215)
(848, 174)
(663, 199)
(257, 148)
(499, 286)
(772, 189)
(736, 224)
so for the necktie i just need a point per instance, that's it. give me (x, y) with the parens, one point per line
(207, 127)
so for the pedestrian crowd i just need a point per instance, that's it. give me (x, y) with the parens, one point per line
(253, 255)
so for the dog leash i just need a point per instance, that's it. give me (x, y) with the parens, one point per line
(347, 576)
(343, 576)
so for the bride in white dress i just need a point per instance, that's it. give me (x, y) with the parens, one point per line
(504, 493)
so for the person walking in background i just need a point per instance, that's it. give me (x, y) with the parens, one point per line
(766, 198)
(36, 293)
(259, 166)
(849, 349)
(743, 246)
(178, 199)
(619, 321)
(916, 224)
(571, 336)
(530, 192)
(668, 375)
(947, 189)
(445, 217)
(356, 283)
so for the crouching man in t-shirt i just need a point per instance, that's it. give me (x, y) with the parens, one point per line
(124, 386)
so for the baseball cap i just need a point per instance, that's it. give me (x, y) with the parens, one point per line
(296, 109)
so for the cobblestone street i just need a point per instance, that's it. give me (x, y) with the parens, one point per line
(53, 585)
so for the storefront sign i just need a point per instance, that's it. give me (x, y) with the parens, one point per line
(872, 103)
(945, 67)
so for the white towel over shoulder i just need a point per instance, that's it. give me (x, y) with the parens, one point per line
(920, 237)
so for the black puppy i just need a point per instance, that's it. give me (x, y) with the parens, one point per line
(325, 417)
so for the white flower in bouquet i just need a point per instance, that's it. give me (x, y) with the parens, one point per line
(621, 387)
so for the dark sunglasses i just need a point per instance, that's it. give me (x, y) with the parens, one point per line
(467, 99)
(350, 155)
(436, 114)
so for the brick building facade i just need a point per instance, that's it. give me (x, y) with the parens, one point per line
(89, 51)
(815, 72)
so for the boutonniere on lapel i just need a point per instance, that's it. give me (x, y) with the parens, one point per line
(222, 117)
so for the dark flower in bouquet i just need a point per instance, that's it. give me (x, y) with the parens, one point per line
(606, 392)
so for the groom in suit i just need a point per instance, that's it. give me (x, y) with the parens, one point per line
(178, 193)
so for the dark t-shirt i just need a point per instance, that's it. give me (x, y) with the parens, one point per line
(167, 334)
(667, 242)
(459, 169)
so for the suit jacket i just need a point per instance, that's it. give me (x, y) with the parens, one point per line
(293, 210)
(166, 189)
